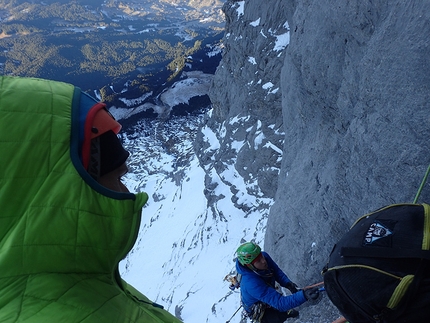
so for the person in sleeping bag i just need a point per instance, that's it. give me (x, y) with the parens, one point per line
(67, 219)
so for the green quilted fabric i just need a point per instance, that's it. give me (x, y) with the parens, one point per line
(62, 235)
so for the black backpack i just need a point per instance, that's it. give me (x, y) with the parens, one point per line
(380, 270)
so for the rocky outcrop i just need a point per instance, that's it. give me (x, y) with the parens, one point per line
(347, 101)
(246, 96)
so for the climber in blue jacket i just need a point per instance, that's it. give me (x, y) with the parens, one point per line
(260, 299)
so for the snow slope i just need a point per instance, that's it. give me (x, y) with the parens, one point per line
(185, 249)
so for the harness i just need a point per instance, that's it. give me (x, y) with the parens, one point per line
(257, 310)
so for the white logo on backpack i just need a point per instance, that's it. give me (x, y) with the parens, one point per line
(375, 232)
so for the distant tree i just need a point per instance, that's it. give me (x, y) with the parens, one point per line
(106, 94)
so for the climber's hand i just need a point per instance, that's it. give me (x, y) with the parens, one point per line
(292, 287)
(312, 294)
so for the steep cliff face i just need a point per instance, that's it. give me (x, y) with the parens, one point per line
(246, 96)
(347, 101)
(355, 87)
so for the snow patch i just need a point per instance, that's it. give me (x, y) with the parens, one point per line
(240, 8)
(267, 85)
(255, 23)
(258, 140)
(282, 41)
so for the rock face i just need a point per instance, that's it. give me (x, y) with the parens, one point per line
(355, 97)
(246, 96)
(347, 102)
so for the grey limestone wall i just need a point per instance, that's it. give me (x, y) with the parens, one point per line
(355, 98)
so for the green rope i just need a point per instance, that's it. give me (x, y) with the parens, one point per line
(422, 184)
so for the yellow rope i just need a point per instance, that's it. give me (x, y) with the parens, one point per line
(422, 184)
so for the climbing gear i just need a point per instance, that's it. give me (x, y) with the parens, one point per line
(422, 185)
(259, 309)
(247, 252)
(234, 281)
(379, 270)
(292, 313)
(234, 314)
(257, 312)
(314, 285)
(103, 121)
(98, 121)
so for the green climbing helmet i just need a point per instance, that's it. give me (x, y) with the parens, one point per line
(247, 252)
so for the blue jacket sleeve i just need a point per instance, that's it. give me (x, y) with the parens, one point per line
(261, 291)
(280, 276)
